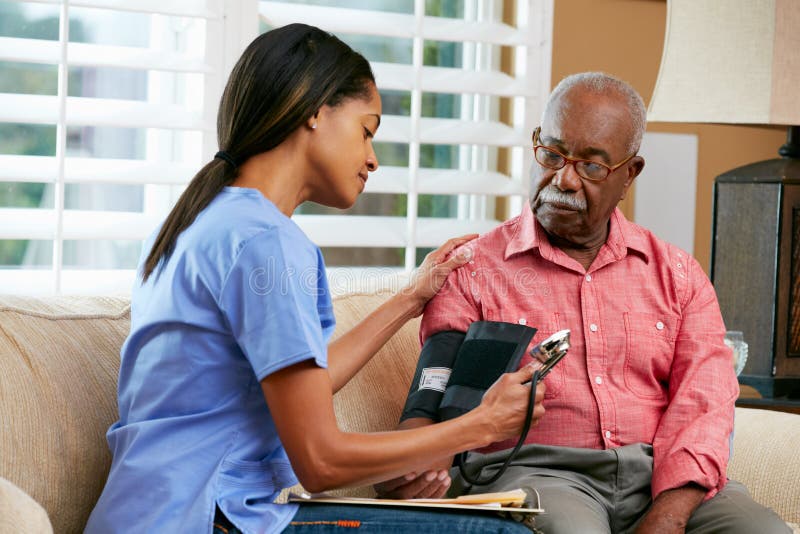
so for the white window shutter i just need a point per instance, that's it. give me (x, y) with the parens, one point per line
(181, 64)
(82, 232)
(479, 82)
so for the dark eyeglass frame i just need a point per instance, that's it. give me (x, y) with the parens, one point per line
(573, 161)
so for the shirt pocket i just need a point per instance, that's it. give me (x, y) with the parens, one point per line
(649, 350)
(546, 324)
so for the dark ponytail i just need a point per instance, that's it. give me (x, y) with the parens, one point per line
(281, 80)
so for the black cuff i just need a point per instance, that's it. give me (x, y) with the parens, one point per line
(432, 374)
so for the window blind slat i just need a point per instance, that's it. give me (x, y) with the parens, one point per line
(432, 232)
(364, 231)
(28, 168)
(75, 281)
(41, 109)
(444, 182)
(94, 170)
(396, 129)
(353, 230)
(207, 9)
(91, 55)
(451, 80)
(455, 181)
(24, 223)
(81, 224)
(454, 132)
(97, 281)
(449, 29)
(338, 19)
(27, 281)
(366, 22)
(388, 179)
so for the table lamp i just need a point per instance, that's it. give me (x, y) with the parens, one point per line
(738, 62)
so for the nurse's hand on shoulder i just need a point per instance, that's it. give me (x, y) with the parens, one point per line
(435, 269)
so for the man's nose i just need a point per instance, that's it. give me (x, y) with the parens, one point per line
(567, 178)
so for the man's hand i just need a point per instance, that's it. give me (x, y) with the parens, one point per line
(671, 510)
(431, 484)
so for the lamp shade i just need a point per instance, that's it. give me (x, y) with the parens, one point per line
(732, 61)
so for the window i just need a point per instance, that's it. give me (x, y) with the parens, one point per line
(460, 82)
(107, 109)
(105, 112)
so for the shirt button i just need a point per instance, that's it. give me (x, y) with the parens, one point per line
(608, 434)
(522, 321)
(598, 379)
(680, 265)
(593, 327)
(588, 277)
(473, 273)
(660, 325)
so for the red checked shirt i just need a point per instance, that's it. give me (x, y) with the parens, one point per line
(647, 362)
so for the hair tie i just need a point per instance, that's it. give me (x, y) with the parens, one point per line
(227, 158)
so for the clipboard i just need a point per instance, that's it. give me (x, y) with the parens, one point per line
(507, 501)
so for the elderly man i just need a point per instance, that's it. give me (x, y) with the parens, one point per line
(639, 413)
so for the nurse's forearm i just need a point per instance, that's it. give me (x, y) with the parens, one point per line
(352, 350)
(324, 457)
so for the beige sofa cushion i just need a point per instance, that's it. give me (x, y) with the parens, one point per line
(373, 400)
(766, 459)
(384, 380)
(60, 361)
(20, 513)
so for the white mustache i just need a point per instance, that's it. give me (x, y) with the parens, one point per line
(552, 195)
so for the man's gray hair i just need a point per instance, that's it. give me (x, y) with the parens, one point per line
(604, 84)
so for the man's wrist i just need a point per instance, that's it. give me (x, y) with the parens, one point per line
(671, 510)
(681, 502)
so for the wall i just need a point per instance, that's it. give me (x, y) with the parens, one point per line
(625, 38)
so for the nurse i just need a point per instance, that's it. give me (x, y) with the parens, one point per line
(226, 379)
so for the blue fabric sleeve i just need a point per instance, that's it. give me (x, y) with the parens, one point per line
(270, 300)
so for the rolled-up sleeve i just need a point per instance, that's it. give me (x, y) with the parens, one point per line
(452, 308)
(692, 440)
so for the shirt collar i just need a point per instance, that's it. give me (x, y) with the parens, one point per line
(623, 235)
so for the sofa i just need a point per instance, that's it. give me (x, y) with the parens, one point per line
(58, 371)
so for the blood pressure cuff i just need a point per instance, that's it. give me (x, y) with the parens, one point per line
(455, 369)
(433, 372)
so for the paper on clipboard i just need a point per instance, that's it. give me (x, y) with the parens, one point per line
(507, 501)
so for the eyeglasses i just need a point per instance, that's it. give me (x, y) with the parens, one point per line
(593, 171)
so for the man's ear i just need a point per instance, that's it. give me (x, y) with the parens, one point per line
(635, 167)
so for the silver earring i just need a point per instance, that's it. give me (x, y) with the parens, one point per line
(314, 126)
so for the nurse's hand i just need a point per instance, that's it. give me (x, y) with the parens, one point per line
(433, 272)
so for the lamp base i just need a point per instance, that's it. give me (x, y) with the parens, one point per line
(755, 268)
(792, 147)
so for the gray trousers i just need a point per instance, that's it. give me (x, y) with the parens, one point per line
(605, 491)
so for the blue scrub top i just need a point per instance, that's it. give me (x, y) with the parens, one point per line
(244, 294)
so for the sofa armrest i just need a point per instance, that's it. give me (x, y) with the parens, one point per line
(766, 459)
(20, 513)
